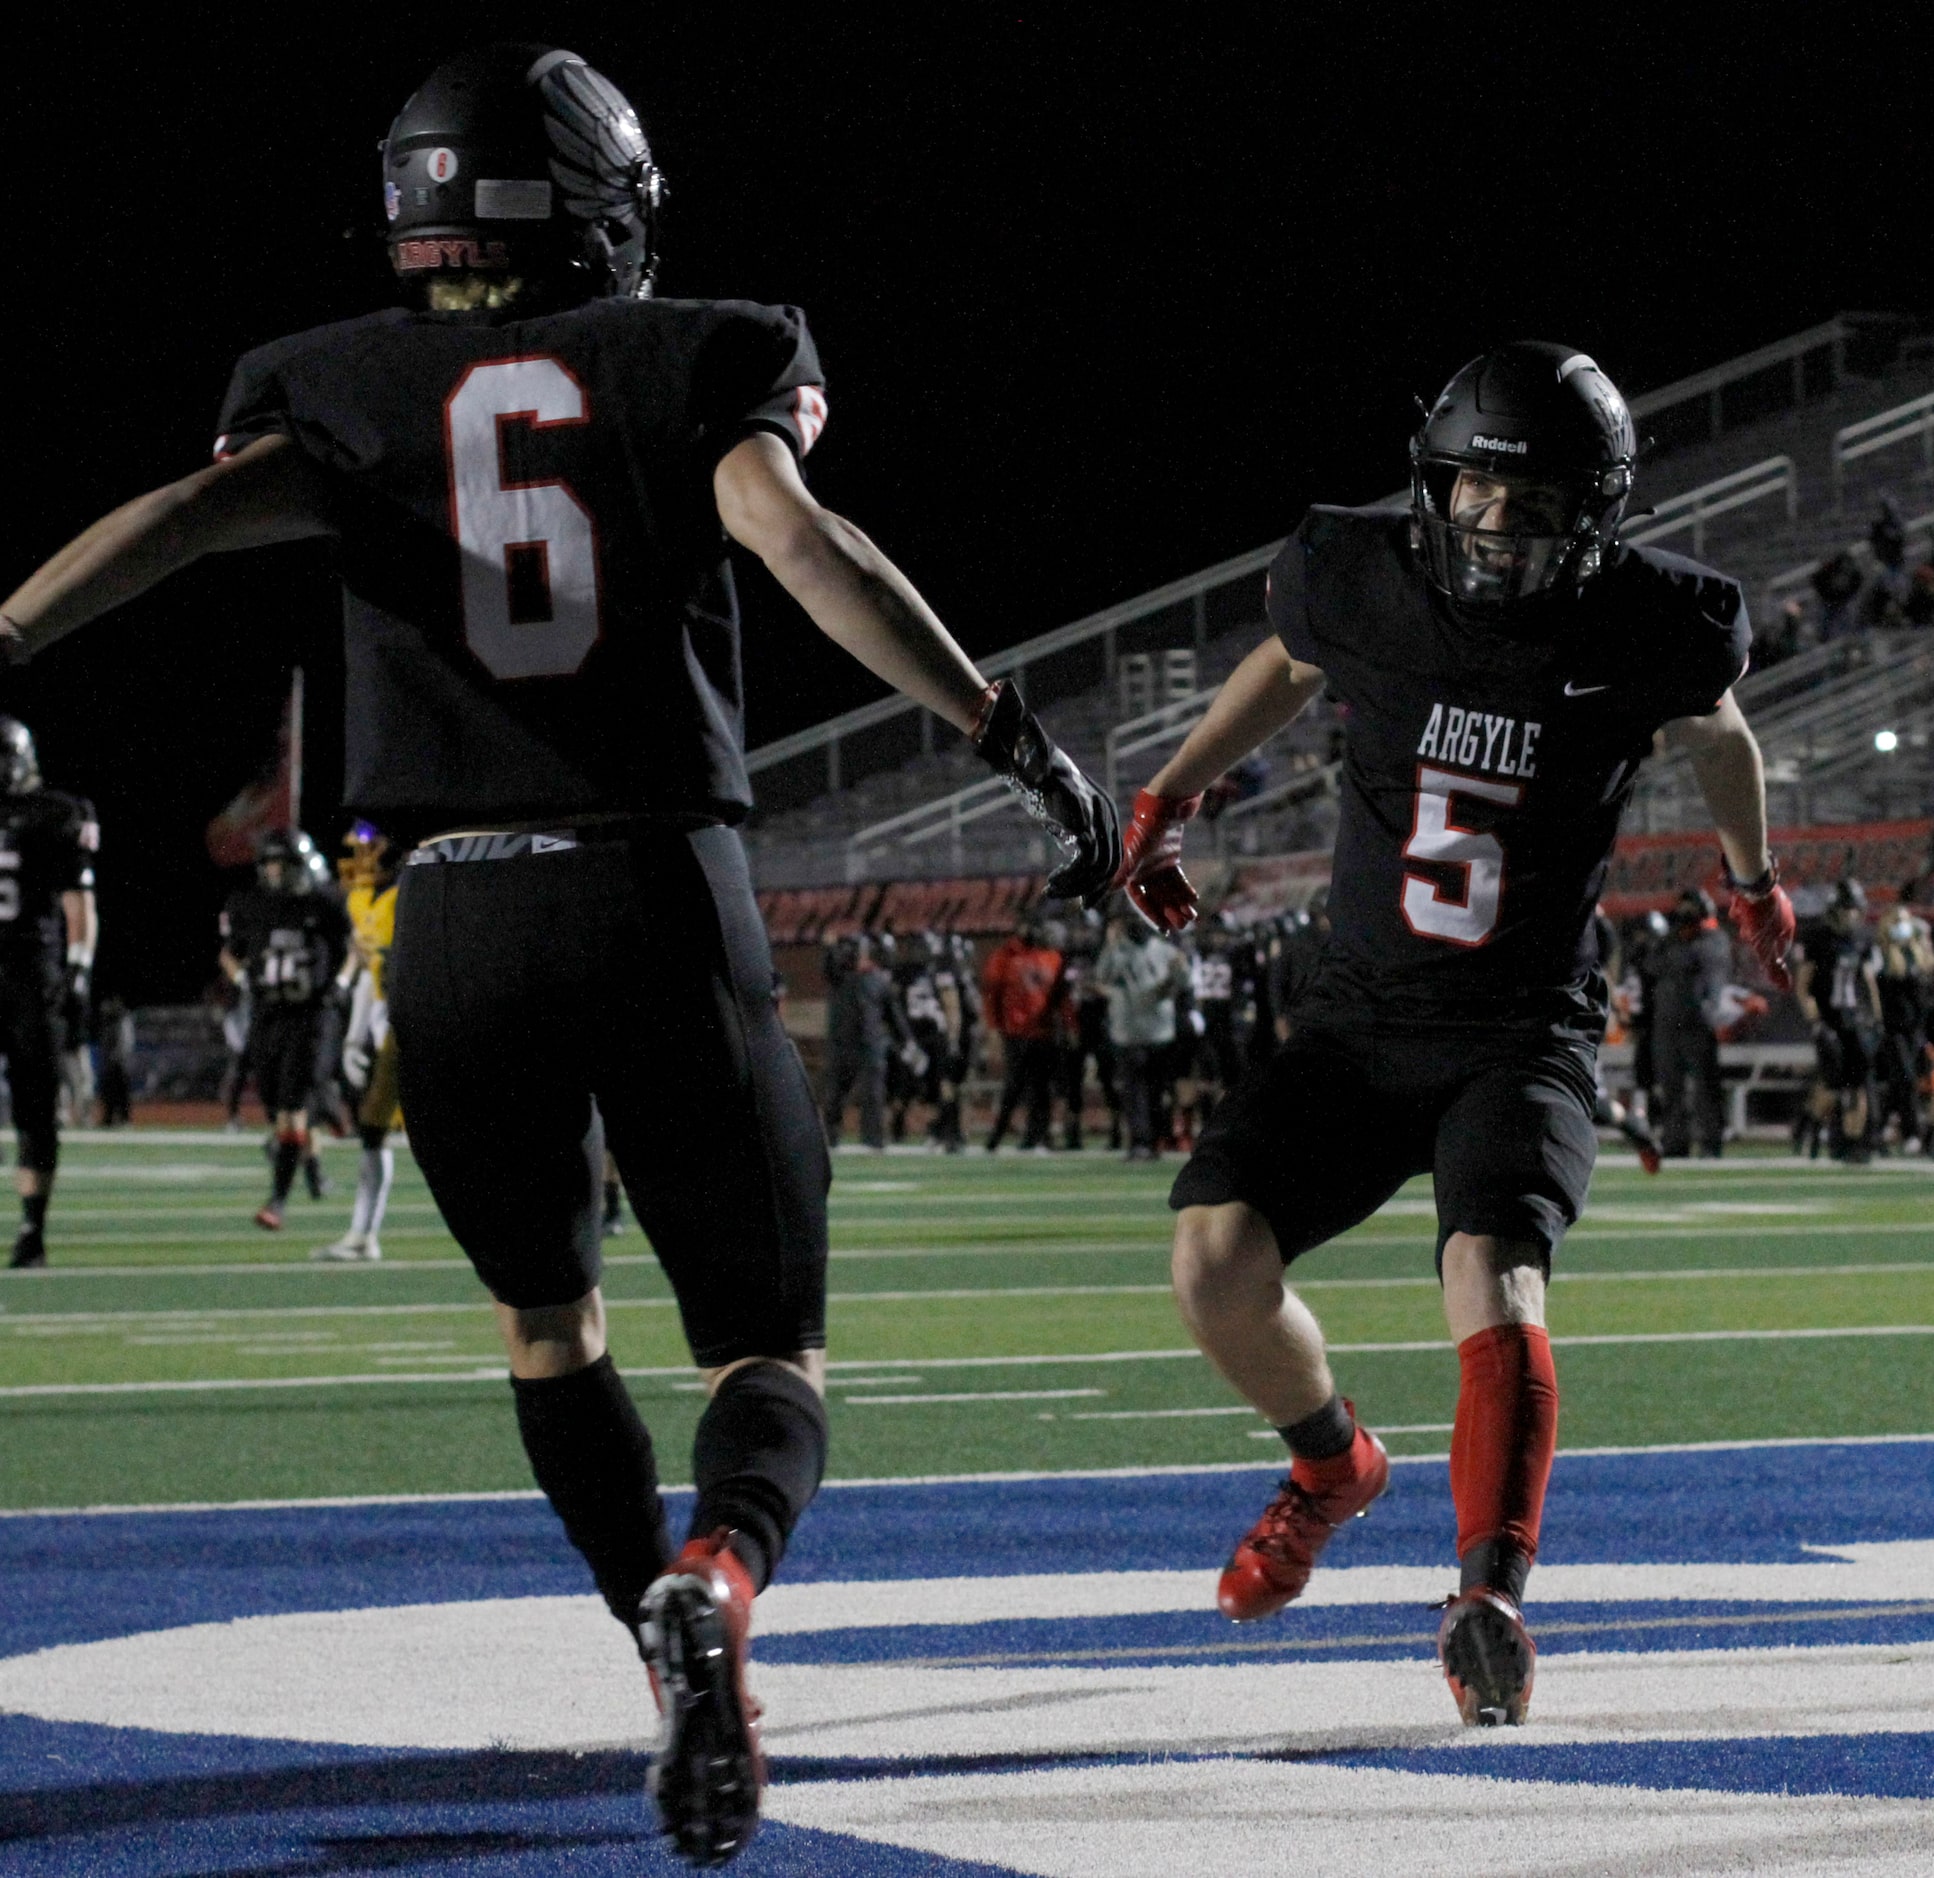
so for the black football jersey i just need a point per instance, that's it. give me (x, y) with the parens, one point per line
(290, 945)
(47, 846)
(539, 616)
(1840, 963)
(1484, 774)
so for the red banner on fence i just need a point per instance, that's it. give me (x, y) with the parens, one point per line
(1649, 872)
(811, 915)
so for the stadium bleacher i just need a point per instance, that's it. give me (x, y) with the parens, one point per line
(1743, 471)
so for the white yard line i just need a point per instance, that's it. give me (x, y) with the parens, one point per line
(972, 1395)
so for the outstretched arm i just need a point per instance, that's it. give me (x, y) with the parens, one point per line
(265, 493)
(862, 602)
(849, 589)
(1265, 692)
(1256, 700)
(1725, 760)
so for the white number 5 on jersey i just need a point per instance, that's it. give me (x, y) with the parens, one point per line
(529, 550)
(1471, 919)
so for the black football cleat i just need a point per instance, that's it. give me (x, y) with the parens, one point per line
(1488, 1657)
(709, 1770)
(29, 1250)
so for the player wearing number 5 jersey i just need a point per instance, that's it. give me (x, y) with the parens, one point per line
(1505, 662)
(532, 469)
(47, 934)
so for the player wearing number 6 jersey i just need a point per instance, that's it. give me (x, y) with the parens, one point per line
(1506, 662)
(531, 470)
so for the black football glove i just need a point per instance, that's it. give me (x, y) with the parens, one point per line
(1080, 819)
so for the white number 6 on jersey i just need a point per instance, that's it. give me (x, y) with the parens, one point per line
(1468, 921)
(529, 551)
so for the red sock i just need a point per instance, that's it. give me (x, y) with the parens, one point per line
(1506, 1434)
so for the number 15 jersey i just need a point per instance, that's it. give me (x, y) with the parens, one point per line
(1484, 773)
(539, 617)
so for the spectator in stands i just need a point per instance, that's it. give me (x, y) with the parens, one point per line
(1883, 602)
(1837, 584)
(1145, 978)
(1693, 968)
(1782, 636)
(861, 1019)
(1019, 993)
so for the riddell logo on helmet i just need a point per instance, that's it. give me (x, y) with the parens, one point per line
(1502, 445)
(462, 252)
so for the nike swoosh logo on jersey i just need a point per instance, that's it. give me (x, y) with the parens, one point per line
(1582, 691)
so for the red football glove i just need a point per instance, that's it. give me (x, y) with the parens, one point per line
(1151, 868)
(1766, 923)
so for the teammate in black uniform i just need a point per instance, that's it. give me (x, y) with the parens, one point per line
(48, 928)
(1506, 663)
(284, 938)
(532, 470)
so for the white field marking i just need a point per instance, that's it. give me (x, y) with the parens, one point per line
(973, 1395)
(1689, 1210)
(872, 1382)
(1153, 1415)
(1382, 1428)
(1018, 1248)
(202, 1385)
(25, 1320)
(877, 1186)
(1242, 1815)
(555, 1673)
(1260, 1469)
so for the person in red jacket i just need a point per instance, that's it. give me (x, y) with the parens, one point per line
(1020, 988)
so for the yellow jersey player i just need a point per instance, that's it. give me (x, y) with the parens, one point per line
(369, 876)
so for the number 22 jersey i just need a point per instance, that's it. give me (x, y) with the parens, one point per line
(539, 618)
(1484, 773)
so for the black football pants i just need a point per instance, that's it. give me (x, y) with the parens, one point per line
(629, 980)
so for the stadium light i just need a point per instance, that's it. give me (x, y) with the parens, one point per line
(1886, 740)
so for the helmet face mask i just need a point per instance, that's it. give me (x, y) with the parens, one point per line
(19, 761)
(521, 162)
(1519, 476)
(287, 861)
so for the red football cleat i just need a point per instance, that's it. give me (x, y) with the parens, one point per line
(1488, 1657)
(1272, 1564)
(709, 1770)
(269, 1217)
(1650, 1158)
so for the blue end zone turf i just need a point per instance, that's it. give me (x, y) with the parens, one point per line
(95, 1799)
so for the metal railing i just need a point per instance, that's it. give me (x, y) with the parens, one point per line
(1772, 476)
(1827, 342)
(1919, 534)
(1882, 431)
(1167, 723)
(1014, 662)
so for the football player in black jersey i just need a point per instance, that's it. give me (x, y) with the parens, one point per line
(532, 469)
(1506, 661)
(48, 929)
(284, 939)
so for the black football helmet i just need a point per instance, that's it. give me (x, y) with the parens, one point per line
(1527, 413)
(1847, 905)
(302, 864)
(19, 761)
(522, 160)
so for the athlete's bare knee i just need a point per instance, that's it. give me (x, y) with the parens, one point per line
(553, 1339)
(1224, 1257)
(1490, 1281)
(809, 1363)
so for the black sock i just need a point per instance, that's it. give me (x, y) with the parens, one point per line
(33, 1210)
(288, 1157)
(757, 1460)
(611, 1199)
(1317, 1437)
(592, 1456)
(1496, 1564)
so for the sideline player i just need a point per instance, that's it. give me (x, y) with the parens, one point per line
(1506, 662)
(532, 469)
(283, 942)
(369, 875)
(48, 930)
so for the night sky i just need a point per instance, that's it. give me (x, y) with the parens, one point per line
(1099, 303)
